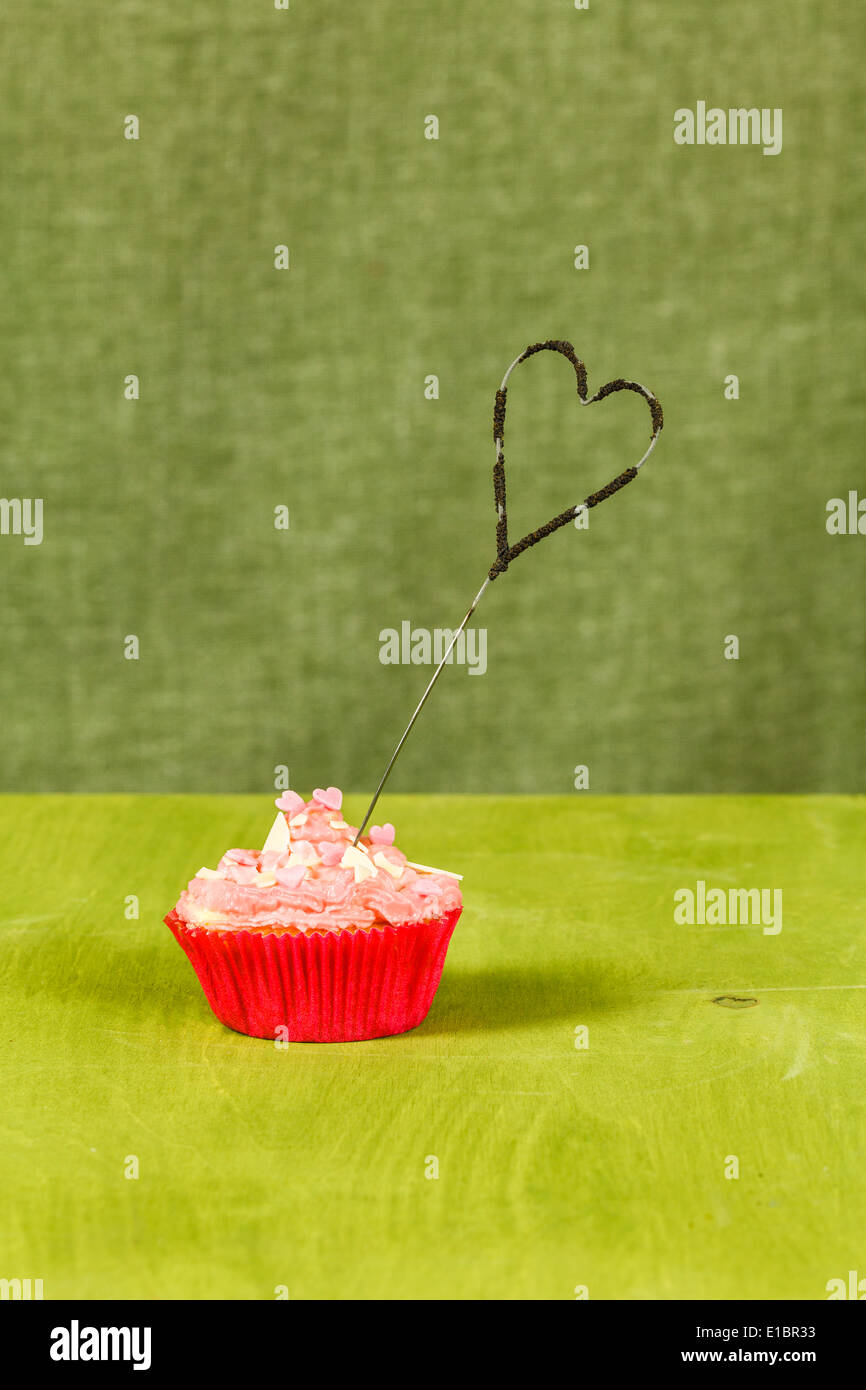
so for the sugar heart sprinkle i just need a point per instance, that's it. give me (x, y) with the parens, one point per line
(332, 798)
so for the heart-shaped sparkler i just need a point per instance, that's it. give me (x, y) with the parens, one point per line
(505, 553)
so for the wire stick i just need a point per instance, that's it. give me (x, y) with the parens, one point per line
(472, 607)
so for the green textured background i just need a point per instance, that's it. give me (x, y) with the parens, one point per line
(411, 257)
(558, 1167)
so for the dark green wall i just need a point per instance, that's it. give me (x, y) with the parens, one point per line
(412, 257)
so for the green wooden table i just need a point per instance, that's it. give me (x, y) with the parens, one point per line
(606, 1166)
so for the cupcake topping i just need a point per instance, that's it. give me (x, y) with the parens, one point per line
(310, 876)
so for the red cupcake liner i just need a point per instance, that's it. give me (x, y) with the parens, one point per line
(335, 986)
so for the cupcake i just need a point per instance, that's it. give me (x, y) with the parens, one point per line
(315, 939)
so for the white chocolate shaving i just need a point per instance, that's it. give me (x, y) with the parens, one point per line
(360, 863)
(279, 837)
(425, 869)
(303, 853)
(395, 870)
(201, 917)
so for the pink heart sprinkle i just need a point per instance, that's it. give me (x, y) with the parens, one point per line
(239, 874)
(382, 834)
(331, 853)
(332, 798)
(290, 802)
(290, 877)
(241, 856)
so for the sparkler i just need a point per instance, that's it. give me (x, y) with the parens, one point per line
(505, 553)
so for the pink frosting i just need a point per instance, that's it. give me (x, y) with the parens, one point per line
(305, 888)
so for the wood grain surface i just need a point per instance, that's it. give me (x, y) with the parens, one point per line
(559, 1167)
